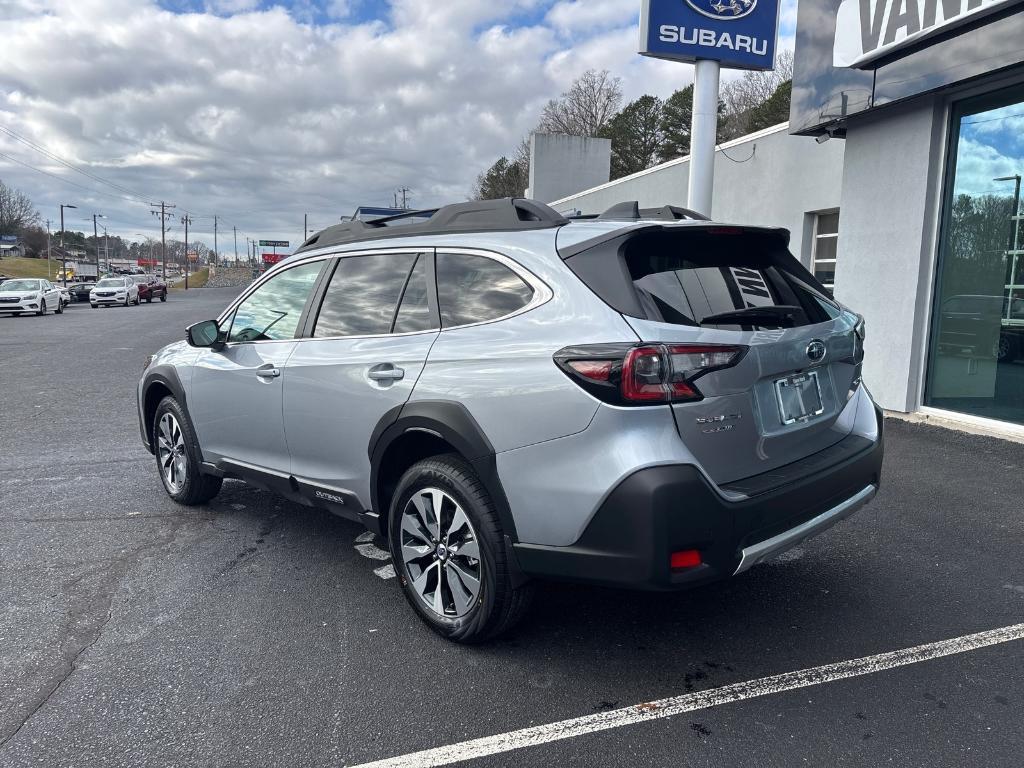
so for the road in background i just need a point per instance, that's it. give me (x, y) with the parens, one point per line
(251, 631)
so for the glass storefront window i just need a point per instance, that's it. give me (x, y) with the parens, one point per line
(976, 361)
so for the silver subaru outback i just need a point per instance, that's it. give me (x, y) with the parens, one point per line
(641, 399)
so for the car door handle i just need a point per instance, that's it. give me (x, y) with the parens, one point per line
(386, 372)
(268, 372)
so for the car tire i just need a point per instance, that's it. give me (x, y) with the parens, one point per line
(497, 604)
(60, 308)
(138, 301)
(42, 308)
(178, 460)
(163, 296)
(149, 299)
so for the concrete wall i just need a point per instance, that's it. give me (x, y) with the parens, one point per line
(561, 165)
(768, 177)
(887, 231)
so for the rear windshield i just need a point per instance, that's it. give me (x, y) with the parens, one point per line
(725, 278)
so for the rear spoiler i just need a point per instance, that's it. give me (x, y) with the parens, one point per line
(622, 235)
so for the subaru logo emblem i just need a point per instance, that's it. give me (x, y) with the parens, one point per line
(816, 351)
(723, 9)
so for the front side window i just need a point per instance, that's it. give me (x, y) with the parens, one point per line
(272, 311)
(364, 294)
(476, 289)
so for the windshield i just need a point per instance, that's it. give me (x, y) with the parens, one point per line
(20, 285)
(110, 282)
(140, 279)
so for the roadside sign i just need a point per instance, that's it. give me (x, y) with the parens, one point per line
(738, 33)
(274, 243)
(273, 258)
(8, 238)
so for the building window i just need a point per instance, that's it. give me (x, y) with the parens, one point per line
(826, 238)
(976, 362)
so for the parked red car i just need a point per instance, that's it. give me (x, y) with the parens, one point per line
(150, 287)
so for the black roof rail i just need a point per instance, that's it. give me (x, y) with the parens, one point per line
(504, 215)
(631, 211)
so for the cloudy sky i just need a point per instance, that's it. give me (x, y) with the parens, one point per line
(263, 111)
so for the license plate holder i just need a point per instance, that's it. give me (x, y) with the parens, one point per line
(799, 397)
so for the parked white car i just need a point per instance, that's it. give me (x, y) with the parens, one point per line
(114, 290)
(30, 295)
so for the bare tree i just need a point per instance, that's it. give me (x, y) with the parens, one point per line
(752, 90)
(585, 109)
(16, 211)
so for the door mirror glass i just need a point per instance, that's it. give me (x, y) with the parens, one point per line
(205, 334)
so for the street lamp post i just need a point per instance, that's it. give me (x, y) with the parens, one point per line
(63, 252)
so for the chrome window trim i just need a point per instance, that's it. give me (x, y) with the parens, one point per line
(542, 293)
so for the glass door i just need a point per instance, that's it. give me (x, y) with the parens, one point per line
(976, 360)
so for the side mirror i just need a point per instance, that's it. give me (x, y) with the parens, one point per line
(205, 334)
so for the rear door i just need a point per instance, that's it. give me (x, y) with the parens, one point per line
(364, 351)
(785, 399)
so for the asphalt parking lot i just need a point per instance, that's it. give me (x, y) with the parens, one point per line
(257, 632)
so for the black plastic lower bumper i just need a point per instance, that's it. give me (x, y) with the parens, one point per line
(660, 510)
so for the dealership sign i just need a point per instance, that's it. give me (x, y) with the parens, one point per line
(273, 258)
(274, 243)
(738, 33)
(867, 30)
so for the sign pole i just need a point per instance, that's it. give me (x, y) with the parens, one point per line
(703, 134)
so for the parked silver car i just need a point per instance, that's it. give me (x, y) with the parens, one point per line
(643, 399)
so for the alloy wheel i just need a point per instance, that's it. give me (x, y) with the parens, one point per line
(440, 553)
(171, 453)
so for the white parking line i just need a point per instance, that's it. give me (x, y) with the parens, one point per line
(656, 710)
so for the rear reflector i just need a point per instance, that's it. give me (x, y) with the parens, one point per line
(595, 370)
(688, 558)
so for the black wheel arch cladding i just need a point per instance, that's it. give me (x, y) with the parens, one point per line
(452, 423)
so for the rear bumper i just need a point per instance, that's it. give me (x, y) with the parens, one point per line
(660, 510)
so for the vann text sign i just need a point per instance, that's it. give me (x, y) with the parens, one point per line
(867, 30)
(738, 33)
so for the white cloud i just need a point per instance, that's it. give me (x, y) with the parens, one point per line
(261, 116)
(580, 15)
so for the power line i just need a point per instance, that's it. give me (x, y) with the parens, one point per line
(57, 158)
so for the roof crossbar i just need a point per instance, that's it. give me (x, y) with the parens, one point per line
(506, 214)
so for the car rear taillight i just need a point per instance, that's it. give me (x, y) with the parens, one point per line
(648, 374)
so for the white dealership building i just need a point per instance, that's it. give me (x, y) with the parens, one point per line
(898, 176)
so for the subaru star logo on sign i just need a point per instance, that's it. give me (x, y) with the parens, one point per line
(738, 33)
(734, 9)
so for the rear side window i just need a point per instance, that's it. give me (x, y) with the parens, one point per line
(475, 289)
(727, 278)
(364, 293)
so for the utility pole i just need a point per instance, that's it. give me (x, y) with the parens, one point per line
(234, 231)
(48, 269)
(186, 220)
(216, 255)
(96, 241)
(163, 214)
(305, 227)
(404, 192)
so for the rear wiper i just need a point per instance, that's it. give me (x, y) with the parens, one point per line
(781, 315)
